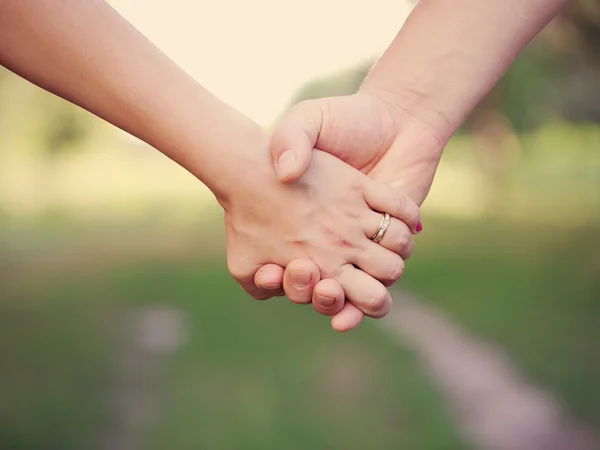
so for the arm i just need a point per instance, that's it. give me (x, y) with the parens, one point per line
(444, 60)
(85, 52)
(450, 53)
(446, 57)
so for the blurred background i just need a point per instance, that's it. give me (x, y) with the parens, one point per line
(120, 327)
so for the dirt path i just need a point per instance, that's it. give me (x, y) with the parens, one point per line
(495, 408)
(136, 395)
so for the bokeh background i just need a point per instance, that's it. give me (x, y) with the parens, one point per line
(121, 329)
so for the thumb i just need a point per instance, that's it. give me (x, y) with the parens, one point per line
(294, 138)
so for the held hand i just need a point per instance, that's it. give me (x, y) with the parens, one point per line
(301, 281)
(367, 132)
(374, 136)
(329, 217)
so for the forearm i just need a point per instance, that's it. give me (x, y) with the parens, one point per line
(450, 53)
(85, 52)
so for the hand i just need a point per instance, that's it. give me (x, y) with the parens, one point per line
(364, 130)
(328, 217)
(415, 97)
(373, 135)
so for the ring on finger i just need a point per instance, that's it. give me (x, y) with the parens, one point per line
(383, 226)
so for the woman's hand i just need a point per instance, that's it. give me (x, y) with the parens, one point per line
(329, 217)
(370, 133)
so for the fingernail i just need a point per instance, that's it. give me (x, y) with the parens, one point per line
(286, 163)
(300, 279)
(270, 286)
(420, 227)
(324, 300)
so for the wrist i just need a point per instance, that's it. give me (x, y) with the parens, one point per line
(240, 168)
(415, 110)
(410, 163)
(414, 148)
(214, 142)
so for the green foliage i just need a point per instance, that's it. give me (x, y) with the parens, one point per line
(64, 126)
(533, 290)
(266, 375)
(343, 83)
(33, 120)
(273, 375)
(544, 83)
(529, 91)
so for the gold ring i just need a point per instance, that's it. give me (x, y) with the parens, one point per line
(383, 226)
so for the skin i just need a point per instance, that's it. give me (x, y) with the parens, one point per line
(88, 54)
(444, 60)
(331, 222)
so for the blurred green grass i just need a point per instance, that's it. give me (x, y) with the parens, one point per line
(272, 375)
(267, 375)
(533, 289)
(253, 375)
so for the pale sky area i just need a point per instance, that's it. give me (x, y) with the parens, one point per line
(256, 54)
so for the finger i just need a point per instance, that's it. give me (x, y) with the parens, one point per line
(245, 275)
(294, 138)
(386, 199)
(381, 263)
(397, 237)
(259, 293)
(299, 280)
(328, 297)
(348, 318)
(364, 291)
(269, 278)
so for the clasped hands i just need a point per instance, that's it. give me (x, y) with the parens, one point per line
(305, 229)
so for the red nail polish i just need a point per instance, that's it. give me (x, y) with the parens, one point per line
(420, 227)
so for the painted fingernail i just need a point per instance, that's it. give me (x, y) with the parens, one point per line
(324, 300)
(420, 227)
(300, 279)
(286, 163)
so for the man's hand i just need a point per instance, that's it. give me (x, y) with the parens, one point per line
(444, 60)
(368, 133)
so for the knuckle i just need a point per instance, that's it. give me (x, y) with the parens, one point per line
(392, 270)
(398, 270)
(408, 249)
(237, 269)
(260, 295)
(415, 216)
(356, 186)
(404, 246)
(306, 110)
(310, 105)
(332, 271)
(341, 241)
(303, 105)
(379, 302)
(337, 238)
(399, 203)
(405, 207)
(411, 210)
